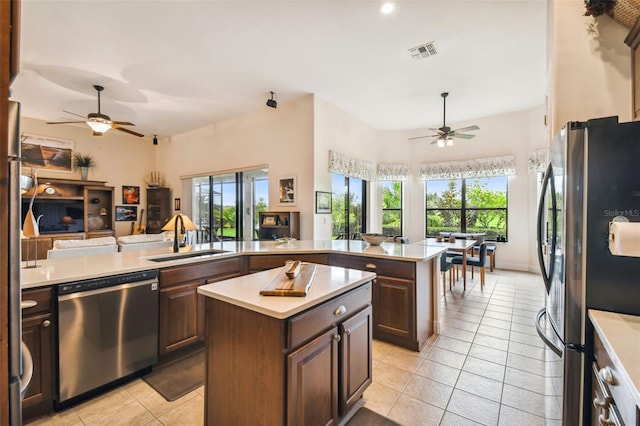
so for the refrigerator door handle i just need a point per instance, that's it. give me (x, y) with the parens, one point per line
(546, 181)
(555, 348)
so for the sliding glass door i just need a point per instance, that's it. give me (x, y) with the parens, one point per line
(226, 206)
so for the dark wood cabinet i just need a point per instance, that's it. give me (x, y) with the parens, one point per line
(402, 298)
(182, 308)
(310, 368)
(38, 335)
(312, 381)
(158, 209)
(274, 225)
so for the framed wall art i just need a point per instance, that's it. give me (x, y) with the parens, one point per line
(323, 202)
(130, 194)
(126, 213)
(287, 191)
(39, 152)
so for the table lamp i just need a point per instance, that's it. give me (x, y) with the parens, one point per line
(185, 225)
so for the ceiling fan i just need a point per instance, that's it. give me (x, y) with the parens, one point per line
(100, 123)
(444, 135)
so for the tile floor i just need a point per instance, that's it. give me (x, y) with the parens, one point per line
(487, 366)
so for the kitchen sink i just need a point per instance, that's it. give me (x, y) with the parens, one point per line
(187, 255)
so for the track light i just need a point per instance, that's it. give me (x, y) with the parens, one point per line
(155, 139)
(272, 102)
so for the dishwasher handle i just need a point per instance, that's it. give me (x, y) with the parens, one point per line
(82, 294)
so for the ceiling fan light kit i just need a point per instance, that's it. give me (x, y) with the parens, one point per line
(444, 135)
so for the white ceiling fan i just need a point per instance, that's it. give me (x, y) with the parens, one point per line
(444, 135)
(100, 123)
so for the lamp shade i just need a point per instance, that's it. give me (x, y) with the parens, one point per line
(173, 223)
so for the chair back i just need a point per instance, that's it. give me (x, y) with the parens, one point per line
(444, 265)
(482, 256)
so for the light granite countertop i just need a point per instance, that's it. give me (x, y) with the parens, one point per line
(244, 291)
(620, 336)
(56, 271)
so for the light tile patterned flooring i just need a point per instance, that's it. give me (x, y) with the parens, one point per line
(488, 366)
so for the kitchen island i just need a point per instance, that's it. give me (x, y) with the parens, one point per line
(287, 360)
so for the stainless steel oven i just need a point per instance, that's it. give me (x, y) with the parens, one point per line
(107, 330)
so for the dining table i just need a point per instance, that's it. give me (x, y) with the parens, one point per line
(459, 245)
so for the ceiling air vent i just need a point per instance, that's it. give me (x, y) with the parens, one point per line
(423, 51)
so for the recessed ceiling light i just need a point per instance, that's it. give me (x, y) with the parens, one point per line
(387, 7)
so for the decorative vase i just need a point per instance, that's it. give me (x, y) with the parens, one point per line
(84, 173)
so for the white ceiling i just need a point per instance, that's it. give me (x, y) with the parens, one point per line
(173, 66)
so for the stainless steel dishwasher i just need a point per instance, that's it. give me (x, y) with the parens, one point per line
(107, 330)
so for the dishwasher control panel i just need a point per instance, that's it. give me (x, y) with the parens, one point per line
(96, 283)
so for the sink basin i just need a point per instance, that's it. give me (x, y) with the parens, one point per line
(187, 255)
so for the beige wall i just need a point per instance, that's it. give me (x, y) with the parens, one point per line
(589, 66)
(336, 130)
(281, 138)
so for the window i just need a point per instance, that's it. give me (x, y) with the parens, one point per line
(217, 199)
(391, 207)
(467, 205)
(348, 206)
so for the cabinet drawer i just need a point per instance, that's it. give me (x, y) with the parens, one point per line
(199, 271)
(612, 380)
(309, 324)
(43, 297)
(389, 268)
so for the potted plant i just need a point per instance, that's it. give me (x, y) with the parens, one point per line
(84, 162)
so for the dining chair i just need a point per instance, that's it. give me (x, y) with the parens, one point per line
(446, 266)
(473, 261)
(491, 254)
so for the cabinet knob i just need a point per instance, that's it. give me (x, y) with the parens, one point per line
(46, 323)
(340, 310)
(370, 265)
(606, 375)
(337, 337)
(347, 331)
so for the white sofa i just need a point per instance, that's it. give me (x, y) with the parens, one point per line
(89, 247)
(143, 242)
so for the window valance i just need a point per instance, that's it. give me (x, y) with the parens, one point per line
(538, 160)
(351, 167)
(481, 167)
(393, 171)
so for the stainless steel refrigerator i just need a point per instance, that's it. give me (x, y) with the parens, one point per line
(593, 177)
(20, 363)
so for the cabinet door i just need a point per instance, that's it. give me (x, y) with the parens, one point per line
(179, 316)
(37, 334)
(355, 356)
(312, 381)
(393, 308)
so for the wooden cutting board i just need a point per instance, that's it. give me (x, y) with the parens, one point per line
(299, 286)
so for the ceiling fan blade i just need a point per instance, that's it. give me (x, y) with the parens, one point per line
(73, 113)
(467, 129)
(131, 132)
(122, 123)
(462, 136)
(422, 137)
(439, 131)
(64, 122)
